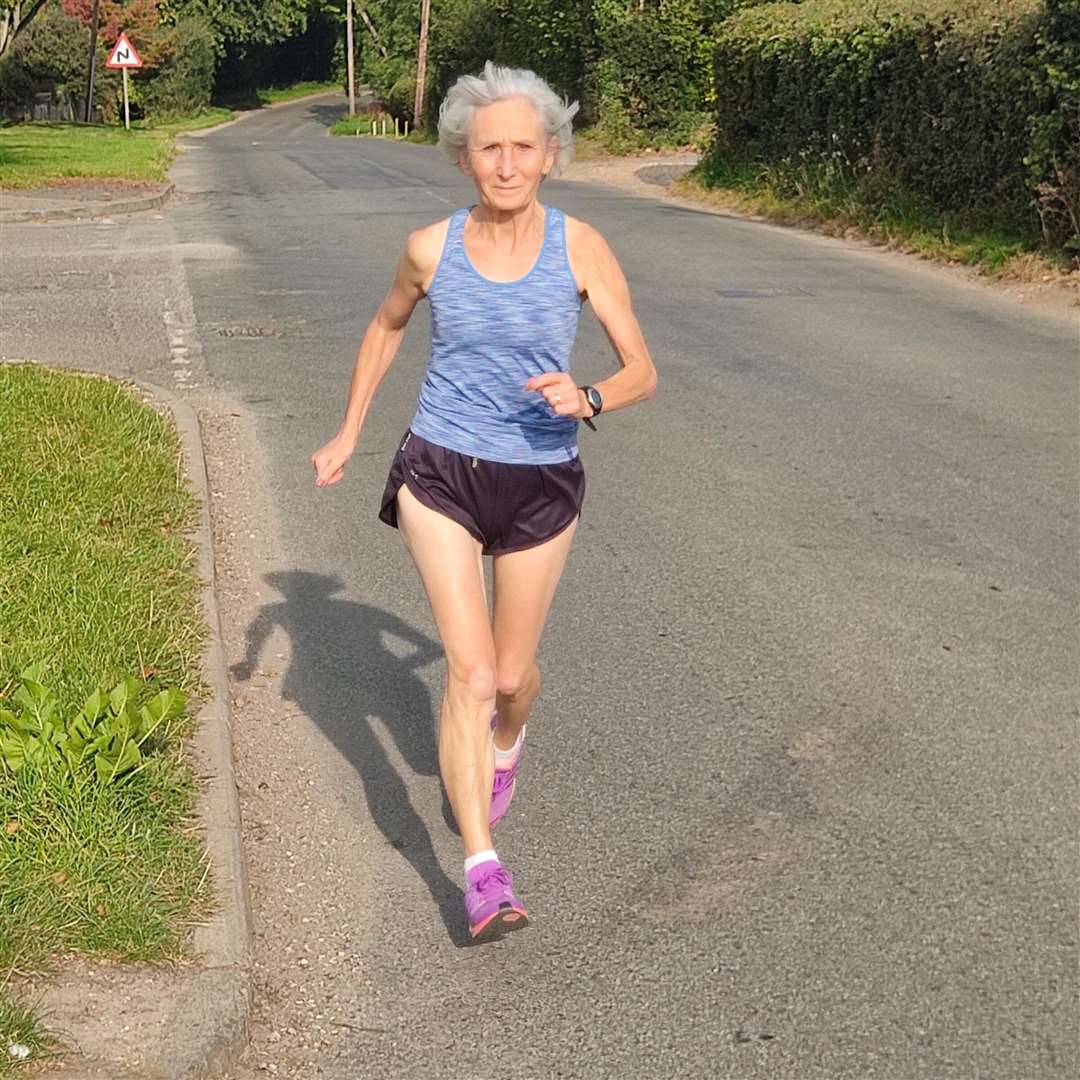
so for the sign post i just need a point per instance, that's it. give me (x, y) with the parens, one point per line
(124, 56)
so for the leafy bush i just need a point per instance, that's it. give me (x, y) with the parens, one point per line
(50, 52)
(1053, 158)
(659, 63)
(937, 99)
(16, 82)
(106, 739)
(183, 84)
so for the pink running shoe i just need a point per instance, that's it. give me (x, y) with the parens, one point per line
(502, 790)
(490, 904)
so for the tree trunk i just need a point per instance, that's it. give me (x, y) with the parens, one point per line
(421, 64)
(351, 59)
(374, 33)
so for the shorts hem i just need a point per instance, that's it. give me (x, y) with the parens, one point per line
(495, 553)
(422, 497)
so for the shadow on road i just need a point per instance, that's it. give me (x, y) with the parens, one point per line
(351, 662)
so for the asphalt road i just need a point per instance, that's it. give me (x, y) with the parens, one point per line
(800, 794)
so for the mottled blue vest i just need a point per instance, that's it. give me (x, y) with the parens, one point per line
(487, 339)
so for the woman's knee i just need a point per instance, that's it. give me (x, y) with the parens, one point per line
(514, 680)
(473, 680)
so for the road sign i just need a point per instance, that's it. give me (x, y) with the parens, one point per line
(123, 55)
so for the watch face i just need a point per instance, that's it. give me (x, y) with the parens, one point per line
(594, 399)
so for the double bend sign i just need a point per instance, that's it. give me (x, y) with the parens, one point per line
(123, 55)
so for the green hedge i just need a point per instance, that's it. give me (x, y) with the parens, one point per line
(554, 40)
(641, 71)
(653, 77)
(968, 105)
(183, 84)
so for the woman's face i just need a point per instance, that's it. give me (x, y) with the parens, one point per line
(507, 154)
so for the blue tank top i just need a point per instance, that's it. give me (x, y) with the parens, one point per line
(488, 338)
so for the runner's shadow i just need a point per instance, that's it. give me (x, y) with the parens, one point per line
(351, 662)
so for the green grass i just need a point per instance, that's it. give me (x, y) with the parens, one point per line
(827, 195)
(97, 579)
(271, 95)
(208, 117)
(41, 153)
(287, 93)
(362, 125)
(20, 1027)
(97, 582)
(38, 153)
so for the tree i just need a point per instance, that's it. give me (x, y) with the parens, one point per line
(139, 19)
(239, 23)
(15, 16)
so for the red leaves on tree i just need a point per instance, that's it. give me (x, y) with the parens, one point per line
(136, 18)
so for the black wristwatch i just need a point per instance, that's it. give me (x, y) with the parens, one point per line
(594, 401)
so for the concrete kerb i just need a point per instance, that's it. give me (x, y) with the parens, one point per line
(90, 210)
(224, 945)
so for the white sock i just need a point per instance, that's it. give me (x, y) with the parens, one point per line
(505, 758)
(477, 859)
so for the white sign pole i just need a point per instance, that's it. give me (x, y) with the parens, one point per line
(124, 56)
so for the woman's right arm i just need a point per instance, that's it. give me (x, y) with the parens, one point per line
(415, 269)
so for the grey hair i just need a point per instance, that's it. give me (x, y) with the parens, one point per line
(472, 92)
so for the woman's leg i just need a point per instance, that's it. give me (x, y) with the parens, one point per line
(449, 562)
(525, 583)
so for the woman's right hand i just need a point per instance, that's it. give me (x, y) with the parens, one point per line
(329, 461)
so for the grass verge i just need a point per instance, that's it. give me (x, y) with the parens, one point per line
(825, 198)
(98, 583)
(35, 154)
(40, 153)
(368, 125)
(209, 117)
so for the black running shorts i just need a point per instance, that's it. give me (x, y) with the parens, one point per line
(505, 507)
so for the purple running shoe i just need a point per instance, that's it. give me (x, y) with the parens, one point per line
(490, 904)
(502, 790)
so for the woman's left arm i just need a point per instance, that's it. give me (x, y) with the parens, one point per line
(604, 285)
(600, 279)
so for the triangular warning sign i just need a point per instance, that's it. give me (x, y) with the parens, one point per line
(123, 55)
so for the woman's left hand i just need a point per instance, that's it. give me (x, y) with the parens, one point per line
(561, 393)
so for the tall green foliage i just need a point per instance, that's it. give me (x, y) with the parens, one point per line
(653, 76)
(555, 40)
(961, 103)
(50, 50)
(183, 84)
(640, 67)
(241, 22)
(1053, 158)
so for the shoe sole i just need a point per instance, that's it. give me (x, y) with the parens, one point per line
(498, 925)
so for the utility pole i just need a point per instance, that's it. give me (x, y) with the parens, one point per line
(421, 64)
(90, 62)
(349, 62)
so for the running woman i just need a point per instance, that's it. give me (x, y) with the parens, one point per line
(489, 465)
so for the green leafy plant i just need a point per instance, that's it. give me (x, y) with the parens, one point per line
(108, 739)
(968, 106)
